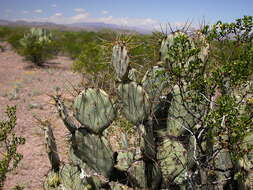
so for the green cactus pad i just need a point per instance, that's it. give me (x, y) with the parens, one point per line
(42, 35)
(178, 117)
(94, 109)
(173, 160)
(136, 105)
(167, 43)
(120, 61)
(154, 82)
(94, 151)
(137, 170)
(124, 158)
(164, 49)
(70, 178)
(204, 50)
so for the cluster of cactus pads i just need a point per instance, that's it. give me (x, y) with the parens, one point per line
(166, 148)
(36, 45)
(40, 35)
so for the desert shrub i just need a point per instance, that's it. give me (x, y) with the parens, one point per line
(4, 32)
(13, 35)
(70, 46)
(57, 42)
(73, 42)
(9, 143)
(214, 78)
(37, 45)
(14, 40)
(90, 60)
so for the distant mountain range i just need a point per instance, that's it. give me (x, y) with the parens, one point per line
(88, 26)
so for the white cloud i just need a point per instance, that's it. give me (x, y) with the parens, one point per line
(144, 23)
(38, 11)
(79, 10)
(58, 14)
(59, 18)
(80, 17)
(104, 12)
(133, 22)
(54, 5)
(25, 12)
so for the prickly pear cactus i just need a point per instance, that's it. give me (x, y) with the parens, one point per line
(154, 82)
(39, 34)
(136, 105)
(93, 161)
(167, 156)
(173, 41)
(89, 148)
(93, 150)
(173, 151)
(94, 109)
(167, 42)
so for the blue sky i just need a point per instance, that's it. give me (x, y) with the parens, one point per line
(142, 13)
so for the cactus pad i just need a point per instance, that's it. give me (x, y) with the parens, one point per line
(120, 61)
(136, 105)
(202, 43)
(173, 159)
(70, 178)
(94, 109)
(168, 42)
(154, 82)
(164, 49)
(94, 151)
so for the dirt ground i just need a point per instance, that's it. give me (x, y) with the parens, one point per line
(28, 87)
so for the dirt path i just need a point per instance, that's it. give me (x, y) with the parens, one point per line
(27, 87)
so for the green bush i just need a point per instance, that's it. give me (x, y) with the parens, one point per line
(74, 42)
(4, 32)
(9, 142)
(37, 45)
(14, 40)
(91, 60)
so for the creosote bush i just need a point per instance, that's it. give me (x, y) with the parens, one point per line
(9, 142)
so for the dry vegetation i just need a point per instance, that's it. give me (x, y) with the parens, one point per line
(27, 86)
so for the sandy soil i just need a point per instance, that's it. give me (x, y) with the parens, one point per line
(28, 87)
